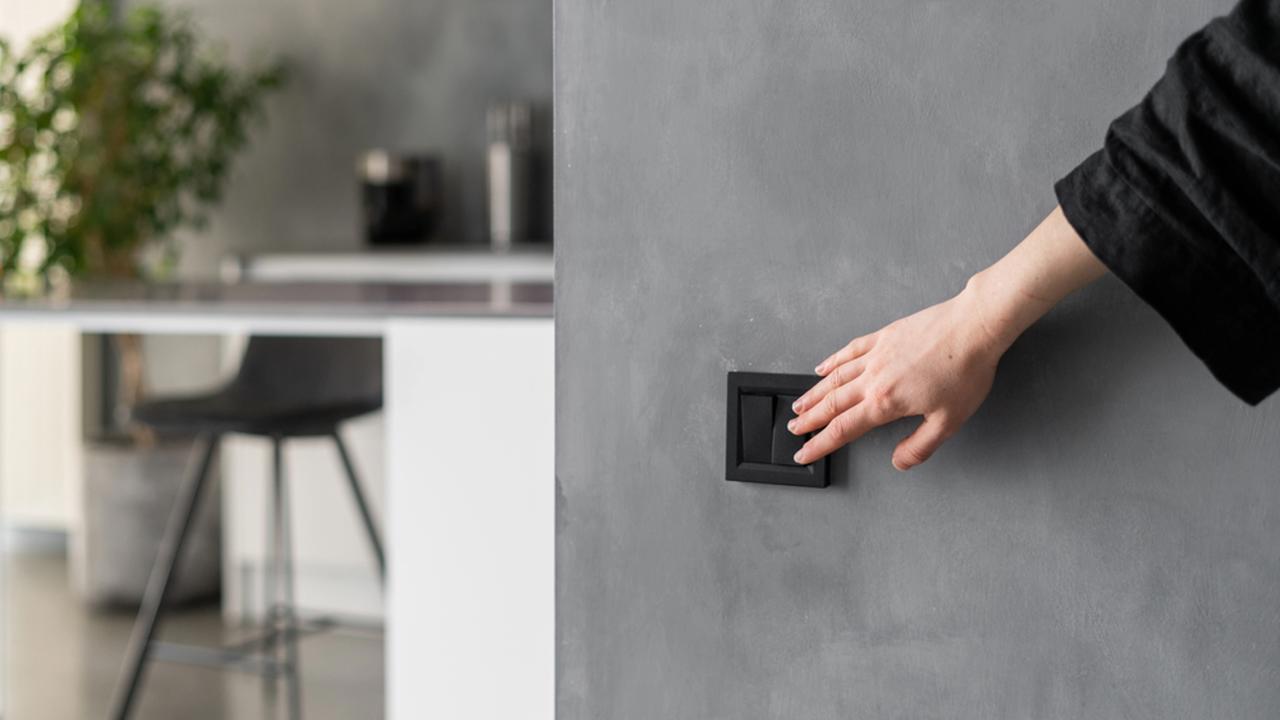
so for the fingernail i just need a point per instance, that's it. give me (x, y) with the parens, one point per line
(799, 458)
(795, 407)
(820, 368)
(791, 425)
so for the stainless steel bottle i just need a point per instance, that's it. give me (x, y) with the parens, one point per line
(509, 172)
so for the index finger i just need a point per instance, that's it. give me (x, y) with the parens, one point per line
(842, 375)
(856, 348)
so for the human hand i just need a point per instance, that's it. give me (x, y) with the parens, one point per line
(938, 363)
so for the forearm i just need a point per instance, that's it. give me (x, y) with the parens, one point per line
(1049, 264)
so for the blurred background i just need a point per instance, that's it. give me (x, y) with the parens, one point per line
(287, 141)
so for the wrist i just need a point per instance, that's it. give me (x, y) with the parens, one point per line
(1000, 308)
(1051, 263)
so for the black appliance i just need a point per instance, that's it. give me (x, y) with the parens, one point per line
(401, 198)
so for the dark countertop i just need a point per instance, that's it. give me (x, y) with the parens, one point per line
(311, 299)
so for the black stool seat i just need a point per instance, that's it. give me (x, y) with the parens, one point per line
(286, 386)
(223, 412)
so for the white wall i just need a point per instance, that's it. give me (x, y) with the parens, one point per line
(23, 19)
(40, 448)
(28, 449)
(39, 369)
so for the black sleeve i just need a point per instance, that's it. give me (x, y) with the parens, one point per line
(1182, 203)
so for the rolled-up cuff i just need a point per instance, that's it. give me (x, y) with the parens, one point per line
(1217, 307)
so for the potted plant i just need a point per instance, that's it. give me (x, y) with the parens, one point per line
(115, 132)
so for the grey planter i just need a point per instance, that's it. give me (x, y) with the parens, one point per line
(128, 493)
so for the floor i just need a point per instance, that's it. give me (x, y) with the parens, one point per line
(64, 661)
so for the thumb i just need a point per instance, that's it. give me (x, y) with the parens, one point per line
(921, 444)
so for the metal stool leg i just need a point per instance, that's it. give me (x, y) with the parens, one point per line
(361, 505)
(161, 581)
(271, 574)
(288, 616)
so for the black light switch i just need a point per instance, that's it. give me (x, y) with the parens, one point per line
(785, 445)
(758, 446)
(757, 428)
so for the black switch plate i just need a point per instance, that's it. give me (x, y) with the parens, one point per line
(785, 445)
(758, 453)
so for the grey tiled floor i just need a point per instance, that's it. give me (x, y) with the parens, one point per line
(64, 661)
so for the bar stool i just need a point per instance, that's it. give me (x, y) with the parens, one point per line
(286, 387)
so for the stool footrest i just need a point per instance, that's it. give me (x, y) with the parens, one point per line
(227, 658)
(247, 654)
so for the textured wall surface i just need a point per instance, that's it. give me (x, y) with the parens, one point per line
(401, 74)
(746, 185)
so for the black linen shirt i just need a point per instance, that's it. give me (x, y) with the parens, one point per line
(1182, 203)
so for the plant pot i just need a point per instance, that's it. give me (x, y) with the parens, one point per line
(129, 493)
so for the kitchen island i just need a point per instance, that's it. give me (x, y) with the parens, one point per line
(469, 470)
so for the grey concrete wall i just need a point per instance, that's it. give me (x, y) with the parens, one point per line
(747, 185)
(401, 74)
